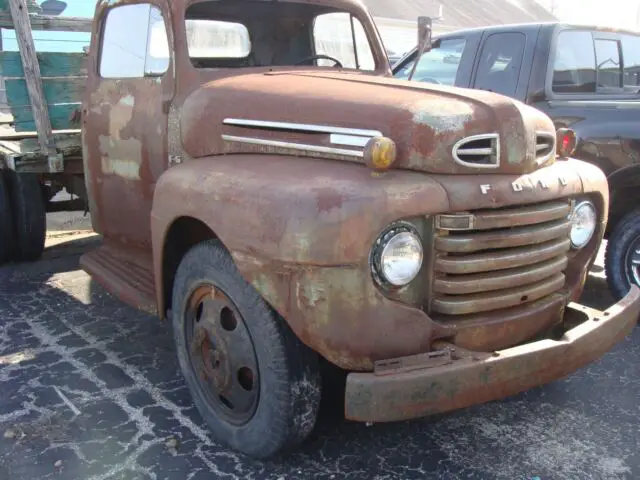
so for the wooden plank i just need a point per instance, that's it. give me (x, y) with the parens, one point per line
(22, 153)
(59, 115)
(52, 64)
(56, 90)
(59, 24)
(69, 144)
(46, 22)
(10, 135)
(32, 72)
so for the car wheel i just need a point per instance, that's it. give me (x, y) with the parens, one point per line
(7, 233)
(254, 382)
(29, 215)
(622, 261)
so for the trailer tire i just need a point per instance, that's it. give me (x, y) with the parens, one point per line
(30, 219)
(622, 255)
(256, 385)
(7, 232)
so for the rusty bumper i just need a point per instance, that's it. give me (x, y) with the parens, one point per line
(450, 379)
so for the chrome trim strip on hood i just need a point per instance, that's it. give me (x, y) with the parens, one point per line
(293, 146)
(301, 127)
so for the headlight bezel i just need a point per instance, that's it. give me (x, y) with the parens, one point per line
(579, 204)
(381, 243)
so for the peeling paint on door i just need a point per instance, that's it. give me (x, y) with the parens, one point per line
(129, 150)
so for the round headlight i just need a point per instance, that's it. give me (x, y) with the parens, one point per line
(584, 222)
(398, 256)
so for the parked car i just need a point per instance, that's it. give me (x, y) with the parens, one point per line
(393, 57)
(584, 77)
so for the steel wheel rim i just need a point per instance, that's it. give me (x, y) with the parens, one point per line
(632, 262)
(221, 354)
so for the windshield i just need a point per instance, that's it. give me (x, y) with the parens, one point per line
(258, 33)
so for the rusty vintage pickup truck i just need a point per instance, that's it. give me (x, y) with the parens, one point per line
(260, 180)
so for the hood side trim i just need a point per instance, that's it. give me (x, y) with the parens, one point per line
(301, 127)
(294, 146)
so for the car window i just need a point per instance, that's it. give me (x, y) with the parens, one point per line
(587, 62)
(334, 35)
(631, 57)
(439, 65)
(500, 61)
(574, 67)
(608, 64)
(127, 50)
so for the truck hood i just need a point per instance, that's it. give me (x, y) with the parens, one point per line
(437, 129)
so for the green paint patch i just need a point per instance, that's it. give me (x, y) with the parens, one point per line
(60, 116)
(56, 91)
(52, 64)
(63, 97)
(63, 83)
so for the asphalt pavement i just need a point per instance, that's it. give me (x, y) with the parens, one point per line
(90, 389)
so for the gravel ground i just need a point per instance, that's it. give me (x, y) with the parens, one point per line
(90, 390)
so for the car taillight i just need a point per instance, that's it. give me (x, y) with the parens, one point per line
(566, 142)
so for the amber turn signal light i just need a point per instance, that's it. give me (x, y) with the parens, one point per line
(380, 153)
(566, 141)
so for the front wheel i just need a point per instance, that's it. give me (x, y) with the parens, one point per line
(622, 262)
(255, 384)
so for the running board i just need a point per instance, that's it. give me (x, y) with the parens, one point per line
(125, 273)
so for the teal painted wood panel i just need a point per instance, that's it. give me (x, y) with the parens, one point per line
(60, 116)
(63, 96)
(56, 90)
(52, 64)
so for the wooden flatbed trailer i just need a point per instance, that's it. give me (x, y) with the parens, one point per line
(40, 144)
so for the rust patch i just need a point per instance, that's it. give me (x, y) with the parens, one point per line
(442, 115)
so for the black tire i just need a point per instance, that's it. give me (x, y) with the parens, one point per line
(29, 215)
(289, 374)
(622, 244)
(7, 232)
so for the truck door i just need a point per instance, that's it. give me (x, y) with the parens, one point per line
(124, 119)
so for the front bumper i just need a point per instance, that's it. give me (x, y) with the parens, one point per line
(450, 378)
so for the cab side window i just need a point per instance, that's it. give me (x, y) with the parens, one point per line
(134, 43)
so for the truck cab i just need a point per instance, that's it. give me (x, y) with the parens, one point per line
(261, 182)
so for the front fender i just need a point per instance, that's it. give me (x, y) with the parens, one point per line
(300, 231)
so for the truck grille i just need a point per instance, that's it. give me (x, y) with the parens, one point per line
(492, 259)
